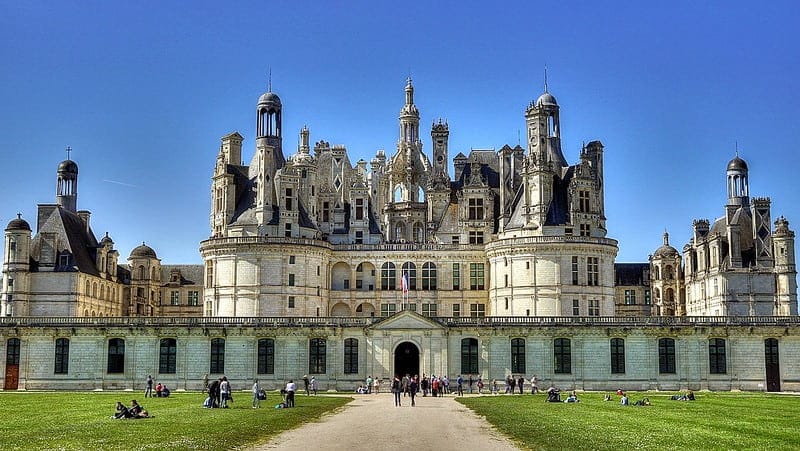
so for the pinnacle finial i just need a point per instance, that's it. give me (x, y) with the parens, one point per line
(269, 82)
(736, 146)
(666, 238)
(19, 215)
(69, 149)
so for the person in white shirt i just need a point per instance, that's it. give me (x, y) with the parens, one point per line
(291, 387)
(256, 393)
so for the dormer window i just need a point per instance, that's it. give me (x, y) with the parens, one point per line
(475, 208)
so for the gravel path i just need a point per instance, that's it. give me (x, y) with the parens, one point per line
(372, 422)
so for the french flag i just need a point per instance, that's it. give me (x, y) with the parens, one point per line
(404, 283)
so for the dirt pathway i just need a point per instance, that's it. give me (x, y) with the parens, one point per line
(372, 422)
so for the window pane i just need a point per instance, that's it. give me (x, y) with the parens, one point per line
(167, 356)
(266, 356)
(469, 356)
(518, 355)
(116, 356)
(62, 356)
(217, 355)
(316, 356)
(351, 356)
(562, 355)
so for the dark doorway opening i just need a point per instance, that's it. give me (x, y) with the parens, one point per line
(406, 359)
(12, 364)
(772, 364)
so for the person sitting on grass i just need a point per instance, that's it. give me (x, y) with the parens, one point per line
(607, 397)
(624, 400)
(642, 402)
(137, 411)
(573, 397)
(690, 396)
(121, 412)
(553, 394)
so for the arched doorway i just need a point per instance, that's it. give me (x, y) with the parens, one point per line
(406, 359)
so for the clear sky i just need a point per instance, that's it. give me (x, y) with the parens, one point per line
(143, 91)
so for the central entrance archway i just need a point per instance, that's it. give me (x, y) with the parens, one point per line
(406, 359)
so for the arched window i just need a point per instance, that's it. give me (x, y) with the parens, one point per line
(167, 356)
(141, 272)
(217, 356)
(410, 271)
(668, 272)
(562, 356)
(350, 356)
(419, 233)
(266, 356)
(94, 289)
(469, 356)
(400, 231)
(656, 272)
(617, 356)
(88, 289)
(666, 355)
(388, 276)
(429, 276)
(317, 356)
(116, 355)
(62, 356)
(717, 362)
(518, 355)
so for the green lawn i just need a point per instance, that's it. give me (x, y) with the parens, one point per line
(82, 421)
(714, 421)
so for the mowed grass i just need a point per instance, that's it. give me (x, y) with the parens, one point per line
(714, 421)
(81, 421)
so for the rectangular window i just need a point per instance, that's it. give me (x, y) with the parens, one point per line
(116, 356)
(167, 356)
(456, 310)
(475, 237)
(326, 212)
(217, 356)
(288, 230)
(429, 276)
(562, 355)
(359, 237)
(194, 298)
(477, 310)
(475, 209)
(210, 274)
(429, 309)
(346, 284)
(388, 276)
(62, 356)
(717, 363)
(412, 307)
(518, 355)
(291, 280)
(317, 356)
(469, 356)
(266, 356)
(647, 297)
(617, 356)
(592, 271)
(594, 307)
(288, 198)
(359, 208)
(666, 355)
(388, 309)
(585, 230)
(455, 239)
(574, 270)
(350, 356)
(291, 302)
(630, 297)
(476, 280)
(291, 259)
(174, 297)
(456, 277)
(576, 308)
(583, 198)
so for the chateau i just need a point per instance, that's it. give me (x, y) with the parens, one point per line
(316, 265)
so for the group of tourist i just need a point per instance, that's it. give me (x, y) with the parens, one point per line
(161, 390)
(133, 412)
(219, 393)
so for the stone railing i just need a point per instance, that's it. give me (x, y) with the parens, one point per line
(495, 321)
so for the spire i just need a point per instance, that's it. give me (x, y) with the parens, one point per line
(666, 238)
(409, 91)
(736, 146)
(545, 78)
(269, 83)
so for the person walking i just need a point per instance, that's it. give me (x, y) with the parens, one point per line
(306, 382)
(369, 385)
(404, 383)
(256, 395)
(377, 385)
(314, 385)
(471, 381)
(520, 383)
(413, 386)
(148, 391)
(460, 383)
(396, 391)
(534, 385)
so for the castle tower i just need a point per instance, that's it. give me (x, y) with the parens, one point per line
(67, 184)
(785, 269)
(16, 267)
(269, 153)
(223, 187)
(665, 277)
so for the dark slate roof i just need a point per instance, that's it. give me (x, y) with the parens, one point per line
(626, 274)
(190, 274)
(82, 243)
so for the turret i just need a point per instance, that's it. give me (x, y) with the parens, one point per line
(16, 266)
(785, 268)
(67, 185)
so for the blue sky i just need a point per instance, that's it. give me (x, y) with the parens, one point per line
(143, 92)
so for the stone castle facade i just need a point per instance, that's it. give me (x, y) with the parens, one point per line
(316, 265)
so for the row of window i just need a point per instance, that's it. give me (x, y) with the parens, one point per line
(192, 298)
(592, 271)
(630, 297)
(475, 310)
(317, 355)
